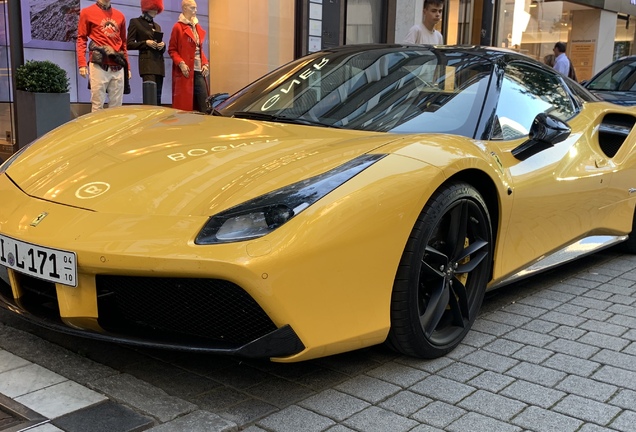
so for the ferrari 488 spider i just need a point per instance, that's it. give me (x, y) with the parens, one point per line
(355, 196)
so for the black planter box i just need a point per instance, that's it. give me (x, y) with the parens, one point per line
(39, 113)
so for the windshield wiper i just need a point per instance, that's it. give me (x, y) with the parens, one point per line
(281, 119)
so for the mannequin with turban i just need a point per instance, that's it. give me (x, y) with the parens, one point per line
(149, 5)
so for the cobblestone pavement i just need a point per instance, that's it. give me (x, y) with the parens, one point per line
(556, 352)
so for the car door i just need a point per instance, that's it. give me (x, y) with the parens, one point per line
(557, 192)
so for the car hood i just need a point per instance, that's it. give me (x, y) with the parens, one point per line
(617, 97)
(141, 160)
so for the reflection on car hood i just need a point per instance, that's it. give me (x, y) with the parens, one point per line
(617, 97)
(141, 160)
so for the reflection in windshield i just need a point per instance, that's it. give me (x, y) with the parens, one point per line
(386, 89)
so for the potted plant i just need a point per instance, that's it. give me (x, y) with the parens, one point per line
(43, 101)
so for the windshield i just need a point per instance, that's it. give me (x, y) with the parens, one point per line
(619, 76)
(406, 90)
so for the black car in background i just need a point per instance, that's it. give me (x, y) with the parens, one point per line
(617, 82)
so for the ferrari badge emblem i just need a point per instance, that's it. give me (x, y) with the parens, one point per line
(38, 219)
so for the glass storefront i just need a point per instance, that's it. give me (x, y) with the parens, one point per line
(459, 21)
(6, 113)
(534, 26)
(248, 39)
(624, 40)
(364, 21)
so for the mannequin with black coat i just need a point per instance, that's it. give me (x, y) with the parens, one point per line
(145, 35)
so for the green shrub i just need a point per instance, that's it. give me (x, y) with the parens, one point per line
(42, 77)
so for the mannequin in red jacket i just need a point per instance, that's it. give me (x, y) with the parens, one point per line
(107, 68)
(189, 64)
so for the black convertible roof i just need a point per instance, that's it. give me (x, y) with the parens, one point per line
(478, 50)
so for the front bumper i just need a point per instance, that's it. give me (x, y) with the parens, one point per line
(235, 325)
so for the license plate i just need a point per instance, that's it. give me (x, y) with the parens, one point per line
(53, 265)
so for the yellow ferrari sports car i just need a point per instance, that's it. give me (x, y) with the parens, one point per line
(356, 196)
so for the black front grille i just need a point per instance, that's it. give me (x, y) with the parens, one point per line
(5, 291)
(38, 297)
(180, 308)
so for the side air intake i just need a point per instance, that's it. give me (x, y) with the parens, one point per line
(613, 132)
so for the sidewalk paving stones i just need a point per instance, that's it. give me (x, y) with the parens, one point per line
(472, 422)
(461, 372)
(337, 405)
(493, 405)
(439, 414)
(537, 374)
(443, 389)
(571, 365)
(533, 394)
(132, 391)
(586, 409)
(368, 388)
(374, 419)
(616, 376)
(532, 354)
(400, 375)
(295, 418)
(625, 422)
(553, 353)
(573, 347)
(198, 421)
(491, 361)
(535, 418)
(60, 399)
(587, 387)
(26, 379)
(491, 381)
(405, 403)
(106, 417)
(625, 399)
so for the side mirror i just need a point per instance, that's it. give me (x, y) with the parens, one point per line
(546, 131)
(212, 101)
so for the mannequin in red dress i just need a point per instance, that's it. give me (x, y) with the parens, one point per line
(189, 64)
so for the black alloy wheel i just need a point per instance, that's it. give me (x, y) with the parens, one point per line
(443, 273)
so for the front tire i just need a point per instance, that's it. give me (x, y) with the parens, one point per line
(442, 277)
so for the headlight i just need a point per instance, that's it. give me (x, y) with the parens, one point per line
(264, 214)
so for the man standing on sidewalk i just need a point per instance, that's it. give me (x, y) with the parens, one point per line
(107, 68)
(424, 33)
(561, 61)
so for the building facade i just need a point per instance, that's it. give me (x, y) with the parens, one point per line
(247, 38)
